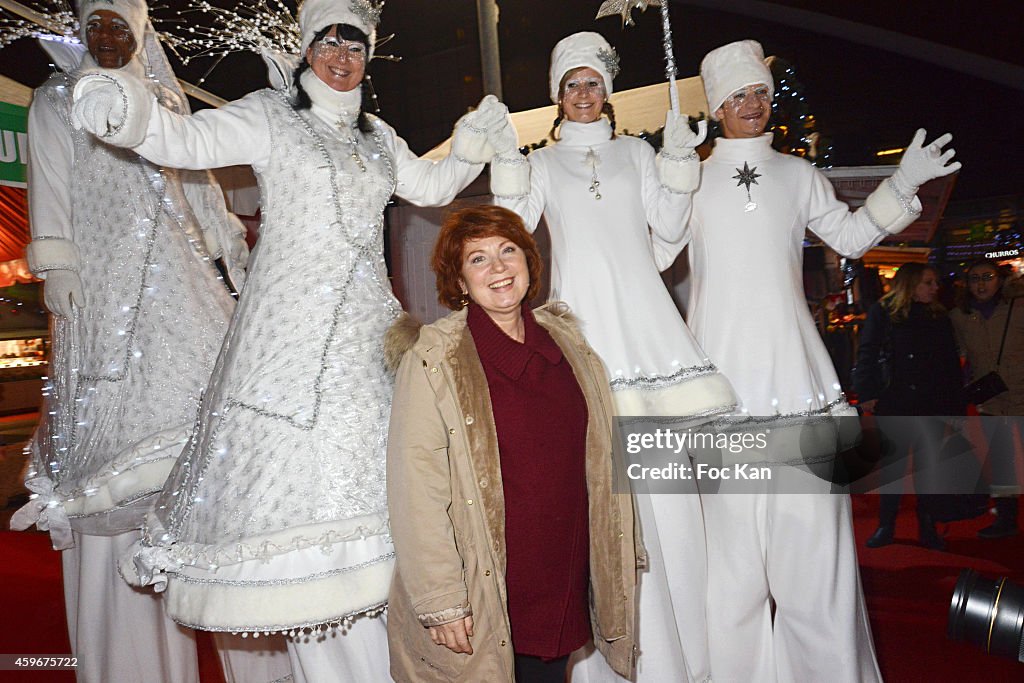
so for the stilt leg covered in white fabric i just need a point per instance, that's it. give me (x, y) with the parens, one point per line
(357, 653)
(797, 549)
(120, 633)
(671, 630)
(253, 660)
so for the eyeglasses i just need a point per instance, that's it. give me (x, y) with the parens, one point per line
(761, 93)
(579, 87)
(330, 48)
(985, 277)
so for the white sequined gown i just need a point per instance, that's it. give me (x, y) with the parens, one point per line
(129, 368)
(275, 517)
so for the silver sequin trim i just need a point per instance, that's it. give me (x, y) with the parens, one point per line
(871, 217)
(56, 266)
(799, 414)
(675, 157)
(293, 629)
(906, 203)
(662, 381)
(124, 108)
(285, 582)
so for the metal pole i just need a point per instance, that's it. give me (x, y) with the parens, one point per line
(490, 60)
(28, 14)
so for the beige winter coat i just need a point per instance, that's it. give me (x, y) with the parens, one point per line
(979, 341)
(447, 508)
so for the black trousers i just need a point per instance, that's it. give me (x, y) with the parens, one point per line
(536, 670)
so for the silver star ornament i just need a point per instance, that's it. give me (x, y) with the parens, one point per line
(625, 8)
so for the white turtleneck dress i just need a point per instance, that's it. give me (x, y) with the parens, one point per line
(748, 310)
(274, 518)
(602, 265)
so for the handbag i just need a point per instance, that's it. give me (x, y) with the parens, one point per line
(991, 385)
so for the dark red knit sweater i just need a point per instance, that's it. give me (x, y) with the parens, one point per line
(541, 420)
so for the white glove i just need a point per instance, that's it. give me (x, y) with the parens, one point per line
(677, 163)
(99, 106)
(236, 253)
(922, 163)
(61, 289)
(471, 140)
(677, 138)
(112, 105)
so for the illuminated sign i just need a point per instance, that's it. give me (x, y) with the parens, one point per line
(1006, 253)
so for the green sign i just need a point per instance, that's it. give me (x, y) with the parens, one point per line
(13, 144)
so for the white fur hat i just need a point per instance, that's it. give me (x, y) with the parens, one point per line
(135, 12)
(583, 49)
(728, 68)
(315, 15)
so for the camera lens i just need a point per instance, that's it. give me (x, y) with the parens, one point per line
(988, 613)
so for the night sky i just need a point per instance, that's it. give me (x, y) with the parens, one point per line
(865, 97)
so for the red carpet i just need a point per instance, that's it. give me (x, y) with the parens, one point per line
(908, 591)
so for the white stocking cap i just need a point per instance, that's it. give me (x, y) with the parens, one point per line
(315, 15)
(134, 12)
(731, 67)
(579, 50)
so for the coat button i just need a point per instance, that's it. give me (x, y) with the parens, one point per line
(433, 370)
(910, 355)
(469, 419)
(469, 502)
(913, 387)
(502, 643)
(487, 572)
(483, 483)
(452, 430)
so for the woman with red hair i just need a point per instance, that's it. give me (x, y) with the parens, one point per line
(500, 476)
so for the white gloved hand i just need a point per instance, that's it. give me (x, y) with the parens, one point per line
(112, 105)
(236, 258)
(922, 163)
(471, 140)
(677, 138)
(61, 289)
(100, 107)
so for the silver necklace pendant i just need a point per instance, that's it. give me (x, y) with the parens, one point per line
(355, 148)
(747, 176)
(593, 160)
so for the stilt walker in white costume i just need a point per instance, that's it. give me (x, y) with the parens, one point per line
(275, 518)
(125, 250)
(793, 550)
(602, 196)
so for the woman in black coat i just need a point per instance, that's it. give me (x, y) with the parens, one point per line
(908, 365)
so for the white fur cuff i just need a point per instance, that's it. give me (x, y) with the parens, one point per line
(52, 253)
(136, 105)
(678, 173)
(891, 211)
(470, 144)
(510, 176)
